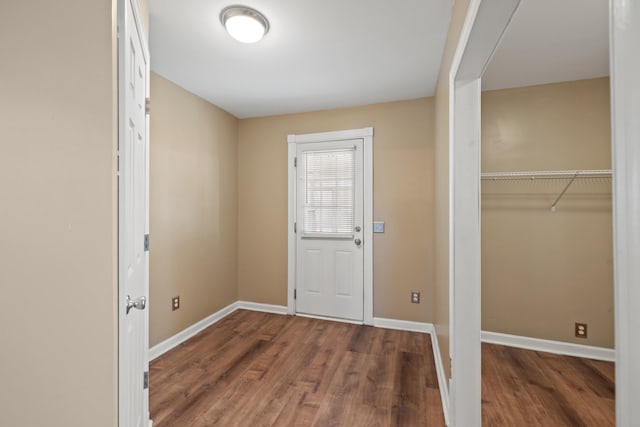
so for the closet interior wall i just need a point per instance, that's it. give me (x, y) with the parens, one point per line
(544, 270)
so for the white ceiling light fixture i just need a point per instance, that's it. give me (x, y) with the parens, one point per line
(244, 24)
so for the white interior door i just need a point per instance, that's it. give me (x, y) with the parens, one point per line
(329, 231)
(132, 187)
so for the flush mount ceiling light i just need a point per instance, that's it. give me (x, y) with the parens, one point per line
(244, 24)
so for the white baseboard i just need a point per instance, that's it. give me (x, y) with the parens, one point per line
(403, 325)
(192, 330)
(267, 308)
(557, 347)
(442, 377)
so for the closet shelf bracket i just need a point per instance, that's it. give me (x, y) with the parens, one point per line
(566, 187)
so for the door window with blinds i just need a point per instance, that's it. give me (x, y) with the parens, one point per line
(329, 193)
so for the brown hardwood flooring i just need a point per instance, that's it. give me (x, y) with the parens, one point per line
(532, 388)
(258, 369)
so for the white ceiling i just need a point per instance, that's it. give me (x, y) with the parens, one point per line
(551, 41)
(322, 54)
(318, 54)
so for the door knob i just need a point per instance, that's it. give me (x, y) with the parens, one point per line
(138, 303)
(358, 242)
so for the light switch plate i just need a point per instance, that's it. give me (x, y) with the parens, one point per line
(378, 227)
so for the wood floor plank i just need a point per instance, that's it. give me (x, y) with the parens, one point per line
(247, 389)
(258, 369)
(200, 379)
(530, 388)
(407, 410)
(342, 398)
(277, 388)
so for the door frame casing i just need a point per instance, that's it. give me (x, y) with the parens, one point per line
(137, 14)
(366, 134)
(624, 32)
(484, 26)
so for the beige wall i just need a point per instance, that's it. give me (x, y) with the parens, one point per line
(442, 183)
(193, 208)
(58, 272)
(403, 183)
(543, 271)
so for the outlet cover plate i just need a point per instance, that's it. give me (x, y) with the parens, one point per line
(581, 330)
(415, 297)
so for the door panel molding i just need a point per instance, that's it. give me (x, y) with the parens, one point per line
(366, 134)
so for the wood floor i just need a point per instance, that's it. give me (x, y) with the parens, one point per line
(530, 388)
(258, 369)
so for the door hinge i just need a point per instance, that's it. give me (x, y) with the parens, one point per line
(295, 162)
(146, 243)
(295, 227)
(147, 105)
(145, 380)
(295, 294)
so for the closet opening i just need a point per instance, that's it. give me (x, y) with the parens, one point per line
(547, 311)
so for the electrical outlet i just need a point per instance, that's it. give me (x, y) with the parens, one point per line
(415, 297)
(581, 330)
(175, 303)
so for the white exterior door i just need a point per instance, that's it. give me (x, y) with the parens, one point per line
(132, 187)
(329, 236)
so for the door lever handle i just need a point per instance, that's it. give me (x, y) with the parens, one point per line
(138, 303)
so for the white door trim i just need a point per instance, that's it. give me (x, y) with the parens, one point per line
(137, 14)
(625, 126)
(366, 134)
(483, 28)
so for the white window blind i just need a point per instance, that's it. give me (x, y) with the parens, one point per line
(329, 179)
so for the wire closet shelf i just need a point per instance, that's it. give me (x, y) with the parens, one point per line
(571, 175)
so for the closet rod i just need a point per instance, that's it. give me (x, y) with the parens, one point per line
(559, 174)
